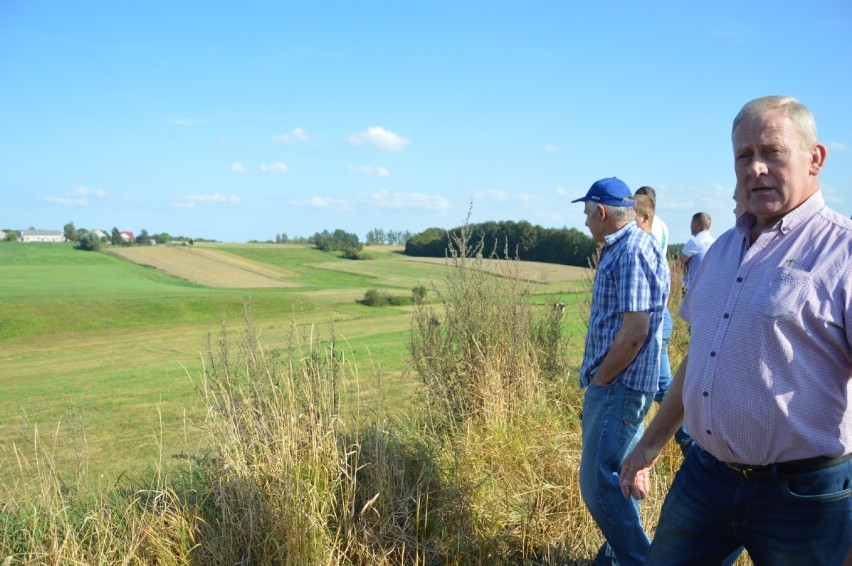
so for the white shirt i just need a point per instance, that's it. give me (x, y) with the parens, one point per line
(660, 232)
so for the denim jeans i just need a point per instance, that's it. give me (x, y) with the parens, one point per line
(710, 511)
(665, 365)
(612, 422)
(681, 436)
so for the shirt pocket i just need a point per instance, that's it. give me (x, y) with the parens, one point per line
(782, 293)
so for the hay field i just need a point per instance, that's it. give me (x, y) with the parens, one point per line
(208, 266)
(533, 271)
(213, 267)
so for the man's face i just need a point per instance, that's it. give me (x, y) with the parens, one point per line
(775, 174)
(694, 227)
(594, 222)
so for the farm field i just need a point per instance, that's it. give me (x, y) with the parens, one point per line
(100, 352)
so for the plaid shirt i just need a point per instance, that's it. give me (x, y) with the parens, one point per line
(632, 276)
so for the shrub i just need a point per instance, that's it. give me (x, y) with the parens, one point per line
(374, 298)
(418, 294)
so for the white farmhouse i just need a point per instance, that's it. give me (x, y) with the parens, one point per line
(52, 236)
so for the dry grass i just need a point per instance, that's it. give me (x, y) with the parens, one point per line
(207, 266)
(485, 472)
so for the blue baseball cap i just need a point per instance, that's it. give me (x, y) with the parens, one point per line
(611, 191)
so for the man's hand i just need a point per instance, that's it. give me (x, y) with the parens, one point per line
(635, 472)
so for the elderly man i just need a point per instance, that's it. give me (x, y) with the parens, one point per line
(620, 363)
(766, 388)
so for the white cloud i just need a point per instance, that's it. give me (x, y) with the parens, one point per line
(561, 191)
(296, 135)
(399, 201)
(501, 196)
(70, 202)
(323, 202)
(380, 138)
(86, 192)
(370, 171)
(839, 147)
(550, 148)
(79, 197)
(237, 168)
(194, 201)
(274, 168)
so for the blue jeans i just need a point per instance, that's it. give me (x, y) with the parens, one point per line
(710, 511)
(665, 366)
(681, 436)
(612, 423)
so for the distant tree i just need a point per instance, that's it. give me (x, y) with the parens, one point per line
(521, 239)
(143, 239)
(432, 242)
(375, 237)
(162, 238)
(397, 238)
(12, 235)
(89, 242)
(70, 232)
(340, 240)
(115, 237)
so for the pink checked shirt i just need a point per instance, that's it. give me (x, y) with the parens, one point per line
(769, 376)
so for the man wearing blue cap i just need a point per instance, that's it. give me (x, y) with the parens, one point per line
(621, 363)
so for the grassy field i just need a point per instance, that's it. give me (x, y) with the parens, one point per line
(99, 353)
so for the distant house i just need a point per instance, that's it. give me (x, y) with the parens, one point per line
(128, 237)
(52, 236)
(99, 234)
(2, 234)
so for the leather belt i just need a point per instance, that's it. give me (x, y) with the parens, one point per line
(785, 469)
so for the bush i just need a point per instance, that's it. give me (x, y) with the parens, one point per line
(374, 298)
(89, 242)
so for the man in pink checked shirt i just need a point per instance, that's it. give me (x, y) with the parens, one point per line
(766, 388)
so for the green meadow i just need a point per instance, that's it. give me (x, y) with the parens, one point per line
(100, 357)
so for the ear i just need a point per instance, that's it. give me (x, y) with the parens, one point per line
(601, 211)
(818, 155)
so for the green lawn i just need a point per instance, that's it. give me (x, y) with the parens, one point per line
(100, 355)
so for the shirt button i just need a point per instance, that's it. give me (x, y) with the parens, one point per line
(706, 394)
(708, 432)
(726, 315)
(712, 354)
(739, 279)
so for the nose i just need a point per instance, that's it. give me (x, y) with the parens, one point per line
(758, 167)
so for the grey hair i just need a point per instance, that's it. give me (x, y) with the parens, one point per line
(802, 118)
(620, 213)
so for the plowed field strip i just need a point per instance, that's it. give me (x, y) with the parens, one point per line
(211, 268)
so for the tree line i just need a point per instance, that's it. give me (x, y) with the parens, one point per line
(566, 246)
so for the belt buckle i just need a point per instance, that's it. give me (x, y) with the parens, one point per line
(743, 472)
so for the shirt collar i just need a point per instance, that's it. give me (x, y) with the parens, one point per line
(807, 209)
(612, 239)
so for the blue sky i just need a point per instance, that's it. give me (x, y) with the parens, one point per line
(240, 121)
